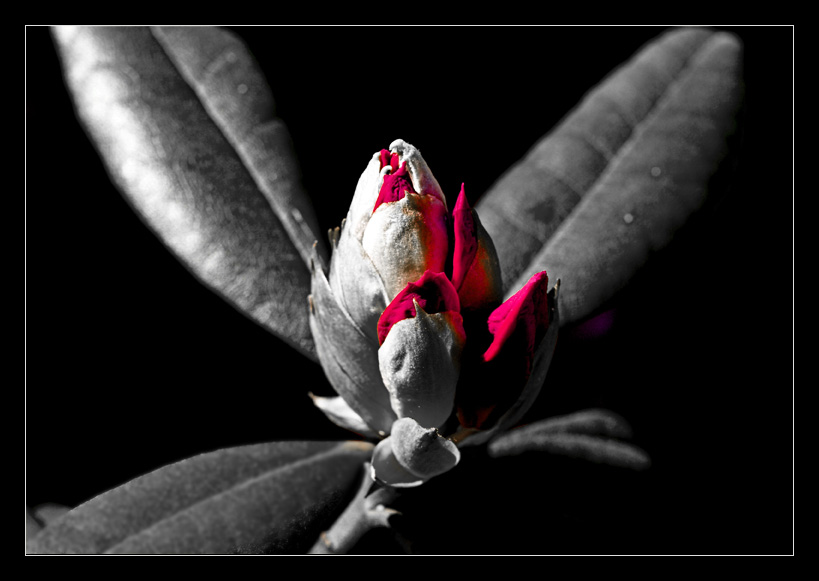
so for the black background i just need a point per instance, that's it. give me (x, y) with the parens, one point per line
(132, 364)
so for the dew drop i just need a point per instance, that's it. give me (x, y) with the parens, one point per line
(628, 218)
(656, 171)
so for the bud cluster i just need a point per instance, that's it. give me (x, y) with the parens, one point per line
(409, 325)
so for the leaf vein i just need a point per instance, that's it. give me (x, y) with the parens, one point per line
(189, 511)
(292, 229)
(657, 107)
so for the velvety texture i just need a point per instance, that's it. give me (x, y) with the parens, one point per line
(395, 186)
(420, 362)
(407, 237)
(433, 292)
(525, 313)
(466, 240)
(500, 354)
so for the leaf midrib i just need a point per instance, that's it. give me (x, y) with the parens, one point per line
(222, 127)
(628, 143)
(234, 140)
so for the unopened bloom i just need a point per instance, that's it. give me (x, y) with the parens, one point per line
(501, 365)
(395, 230)
(422, 336)
(412, 294)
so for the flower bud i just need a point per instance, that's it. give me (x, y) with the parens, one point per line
(395, 230)
(520, 322)
(475, 268)
(504, 380)
(348, 356)
(420, 353)
(500, 373)
(407, 237)
(412, 455)
(409, 325)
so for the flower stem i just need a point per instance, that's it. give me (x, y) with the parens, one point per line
(366, 511)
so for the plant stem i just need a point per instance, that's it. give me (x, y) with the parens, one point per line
(364, 513)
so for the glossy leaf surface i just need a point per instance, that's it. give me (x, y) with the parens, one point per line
(274, 497)
(186, 128)
(612, 183)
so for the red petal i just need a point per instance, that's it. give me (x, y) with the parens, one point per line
(385, 158)
(491, 382)
(395, 185)
(525, 313)
(390, 159)
(466, 240)
(433, 292)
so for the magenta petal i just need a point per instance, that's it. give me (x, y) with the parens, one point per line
(526, 312)
(433, 292)
(466, 240)
(385, 158)
(395, 186)
(389, 159)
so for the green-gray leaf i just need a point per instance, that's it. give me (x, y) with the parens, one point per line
(582, 446)
(592, 422)
(621, 173)
(185, 125)
(274, 497)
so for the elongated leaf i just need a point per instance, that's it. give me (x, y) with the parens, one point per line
(582, 446)
(261, 498)
(621, 173)
(592, 422)
(186, 128)
(222, 73)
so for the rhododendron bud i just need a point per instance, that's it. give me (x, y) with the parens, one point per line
(505, 378)
(519, 323)
(395, 230)
(412, 455)
(407, 233)
(422, 338)
(475, 268)
(349, 357)
(409, 325)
